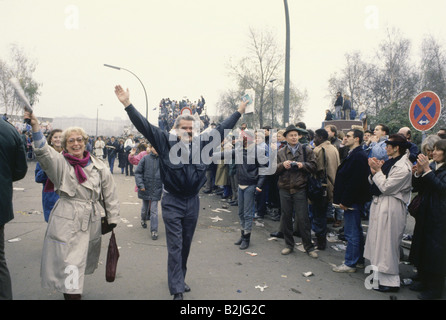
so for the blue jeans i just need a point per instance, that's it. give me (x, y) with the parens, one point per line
(338, 113)
(354, 236)
(149, 211)
(111, 162)
(246, 201)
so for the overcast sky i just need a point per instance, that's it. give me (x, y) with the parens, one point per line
(180, 48)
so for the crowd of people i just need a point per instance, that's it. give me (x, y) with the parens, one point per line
(343, 109)
(169, 110)
(365, 174)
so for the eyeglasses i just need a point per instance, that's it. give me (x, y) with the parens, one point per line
(72, 140)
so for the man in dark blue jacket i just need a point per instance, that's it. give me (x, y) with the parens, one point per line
(183, 172)
(13, 167)
(351, 191)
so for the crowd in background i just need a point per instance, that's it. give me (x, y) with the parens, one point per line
(169, 110)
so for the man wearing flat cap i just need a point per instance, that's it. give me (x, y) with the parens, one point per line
(294, 163)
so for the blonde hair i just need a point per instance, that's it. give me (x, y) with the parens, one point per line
(67, 132)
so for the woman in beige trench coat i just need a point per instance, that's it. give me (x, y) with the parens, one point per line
(72, 242)
(391, 187)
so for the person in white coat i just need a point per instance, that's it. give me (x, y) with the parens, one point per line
(391, 184)
(72, 242)
(99, 146)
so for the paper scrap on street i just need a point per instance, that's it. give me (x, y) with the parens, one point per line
(262, 288)
(300, 247)
(252, 254)
(220, 210)
(216, 219)
(308, 274)
(339, 247)
(14, 240)
(332, 237)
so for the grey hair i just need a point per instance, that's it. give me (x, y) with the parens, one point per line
(428, 143)
(186, 117)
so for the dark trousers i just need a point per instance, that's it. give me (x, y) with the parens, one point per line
(180, 217)
(5, 278)
(298, 203)
(128, 165)
(261, 199)
(319, 210)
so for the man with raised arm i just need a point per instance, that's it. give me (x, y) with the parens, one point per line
(183, 173)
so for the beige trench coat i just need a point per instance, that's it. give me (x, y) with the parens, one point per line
(388, 215)
(72, 242)
(332, 163)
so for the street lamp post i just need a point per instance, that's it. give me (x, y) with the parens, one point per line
(286, 97)
(147, 102)
(97, 119)
(272, 102)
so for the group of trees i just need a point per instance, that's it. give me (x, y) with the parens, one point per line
(385, 86)
(21, 67)
(262, 70)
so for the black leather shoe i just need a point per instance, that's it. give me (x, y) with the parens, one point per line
(277, 234)
(178, 296)
(387, 289)
(186, 288)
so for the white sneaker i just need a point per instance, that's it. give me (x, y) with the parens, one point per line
(344, 268)
(286, 251)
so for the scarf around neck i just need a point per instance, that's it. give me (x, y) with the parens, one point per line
(78, 164)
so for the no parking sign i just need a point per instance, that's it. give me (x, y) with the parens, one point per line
(425, 110)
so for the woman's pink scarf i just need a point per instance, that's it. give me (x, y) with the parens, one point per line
(78, 164)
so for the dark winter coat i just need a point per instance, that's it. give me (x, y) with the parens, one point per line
(182, 179)
(122, 156)
(352, 185)
(339, 101)
(148, 177)
(428, 249)
(13, 167)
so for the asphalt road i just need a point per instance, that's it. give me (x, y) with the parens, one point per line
(217, 269)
